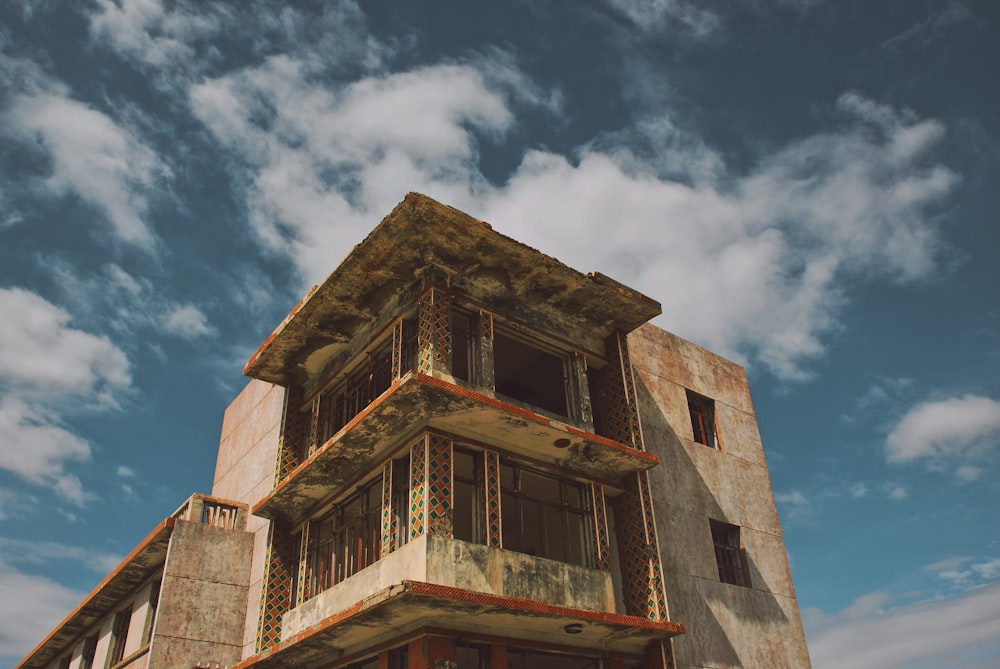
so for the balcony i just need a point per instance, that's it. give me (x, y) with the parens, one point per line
(437, 582)
(418, 401)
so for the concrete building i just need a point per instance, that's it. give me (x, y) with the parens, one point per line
(459, 452)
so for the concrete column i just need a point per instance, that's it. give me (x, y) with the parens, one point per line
(434, 331)
(583, 411)
(485, 374)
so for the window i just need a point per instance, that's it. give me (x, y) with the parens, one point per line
(530, 659)
(729, 554)
(702, 411)
(471, 656)
(526, 373)
(544, 515)
(119, 634)
(346, 540)
(154, 600)
(462, 345)
(467, 491)
(89, 650)
(350, 397)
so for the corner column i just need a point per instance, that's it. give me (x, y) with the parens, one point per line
(433, 331)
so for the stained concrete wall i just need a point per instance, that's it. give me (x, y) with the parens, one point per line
(463, 565)
(200, 617)
(727, 625)
(244, 471)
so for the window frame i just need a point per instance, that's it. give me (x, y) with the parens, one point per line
(119, 635)
(513, 499)
(704, 427)
(730, 553)
(355, 535)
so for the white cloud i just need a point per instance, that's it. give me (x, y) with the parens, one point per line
(960, 431)
(37, 449)
(327, 161)
(22, 552)
(125, 303)
(91, 155)
(29, 605)
(749, 265)
(188, 321)
(45, 363)
(41, 354)
(956, 632)
(752, 264)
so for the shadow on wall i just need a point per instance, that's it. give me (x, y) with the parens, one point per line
(684, 504)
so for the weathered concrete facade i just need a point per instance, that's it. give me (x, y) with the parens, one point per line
(459, 452)
(178, 600)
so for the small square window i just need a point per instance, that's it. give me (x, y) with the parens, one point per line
(729, 554)
(702, 411)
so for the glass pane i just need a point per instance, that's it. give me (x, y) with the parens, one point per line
(539, 487)
(464, 511)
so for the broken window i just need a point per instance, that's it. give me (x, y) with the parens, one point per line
(119, 634)
(345, 540)
(545, 516)
(462, 345)
(702, 411)
(88, 652)
(729, 554)
(154, 600)
(529, 374)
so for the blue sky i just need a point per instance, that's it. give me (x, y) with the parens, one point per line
(807, 186)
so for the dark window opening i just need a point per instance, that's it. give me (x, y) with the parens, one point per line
(89, 650)
(702, 411)
(154, 600)
(338, 406)
(399, 658)
(467, 490)
(545, 516)
(471, 656)
(119, 633)
(523, 372)
(462, 345)
(729, 554)
(530, 659)
(401, 500)
(346, 540)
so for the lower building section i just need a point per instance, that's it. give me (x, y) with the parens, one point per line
(398, 631)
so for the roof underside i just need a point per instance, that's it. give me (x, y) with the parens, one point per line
(422, 238)
(126, 577)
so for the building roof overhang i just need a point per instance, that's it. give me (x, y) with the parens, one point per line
(423, 239)
(419, 401)
(412, 605)
(123, 580)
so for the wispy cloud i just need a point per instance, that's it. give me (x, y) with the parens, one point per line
(326, 146)
(47, 365)
(958, 433)
(89, 155)
(117, 300)
(956, 632)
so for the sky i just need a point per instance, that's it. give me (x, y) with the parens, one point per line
(808, 187)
